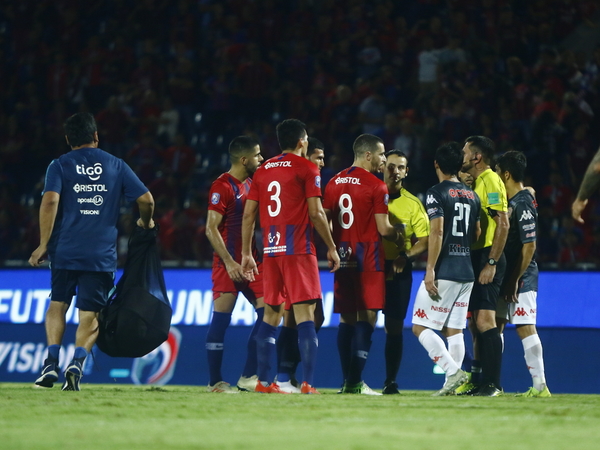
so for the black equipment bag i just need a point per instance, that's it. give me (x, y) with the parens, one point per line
(137, 317)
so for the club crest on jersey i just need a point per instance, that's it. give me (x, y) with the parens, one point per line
(214, 199)
(318, 181)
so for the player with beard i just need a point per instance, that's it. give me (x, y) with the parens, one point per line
(489, 265)
(228, 195)
(356, 203)
(407, 210)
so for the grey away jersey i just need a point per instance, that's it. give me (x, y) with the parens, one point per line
(459, 206)
(523, 228)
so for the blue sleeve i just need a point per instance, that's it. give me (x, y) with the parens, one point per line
(133, 188)
(53, 180)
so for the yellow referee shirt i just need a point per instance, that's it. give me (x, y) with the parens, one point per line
(409, 211)
(492, 194)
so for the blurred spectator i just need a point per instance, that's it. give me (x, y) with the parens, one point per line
(416, 73)
(113, 125)
(168, 123)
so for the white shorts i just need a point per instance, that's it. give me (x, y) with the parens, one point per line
(524, 312)
(448, 311)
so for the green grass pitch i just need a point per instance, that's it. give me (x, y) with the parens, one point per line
(187, 417)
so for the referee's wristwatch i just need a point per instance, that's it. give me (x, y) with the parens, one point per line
(492, 262)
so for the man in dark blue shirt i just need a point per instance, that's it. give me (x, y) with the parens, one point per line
(518, 296)
(443, 297)
(78, 230)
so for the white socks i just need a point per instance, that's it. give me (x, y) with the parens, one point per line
(456, 348)
(535, 360)
(436, 349)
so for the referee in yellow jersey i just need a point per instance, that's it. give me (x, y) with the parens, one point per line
(488, 263)
(406, 209)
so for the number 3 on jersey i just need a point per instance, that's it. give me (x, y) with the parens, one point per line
(345, 205)
(463, 212)
(274, 186)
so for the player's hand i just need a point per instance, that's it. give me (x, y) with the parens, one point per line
(511, 293)
(400, 242)
(431, 284)
(486, 276)
(37, 257)
(140, 223)
(333, 259)
(577, 209)
(249, 267)
(235, 272)
(399, 264)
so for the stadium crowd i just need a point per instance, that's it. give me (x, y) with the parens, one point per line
(171, 83)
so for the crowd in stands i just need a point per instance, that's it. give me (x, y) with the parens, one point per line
(172, 82)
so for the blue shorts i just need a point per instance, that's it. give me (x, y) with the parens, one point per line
(92, 288)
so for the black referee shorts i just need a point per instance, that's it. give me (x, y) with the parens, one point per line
(485, 296)
(397, 291)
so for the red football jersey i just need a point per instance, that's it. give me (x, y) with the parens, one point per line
(228, 198)
(281, 186)
(354, 196)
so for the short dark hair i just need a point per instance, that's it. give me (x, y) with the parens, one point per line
(396, 152)
(80, 129)
(449, 158)
(240, 146)
(314, 144)
(289, 132)
(366, 143)
(484, 145)
(513, 162)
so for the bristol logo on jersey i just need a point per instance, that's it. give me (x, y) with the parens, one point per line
(93, 173)
(214, 199)
(158, 366)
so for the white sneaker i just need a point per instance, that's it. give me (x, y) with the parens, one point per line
(360, 388)
(222, 387)
(247, 383)
(288, 387)
(454, 381)
(366, 390)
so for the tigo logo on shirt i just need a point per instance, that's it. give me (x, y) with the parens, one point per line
(93, 173)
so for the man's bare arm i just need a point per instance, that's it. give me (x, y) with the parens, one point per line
(48, 211)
